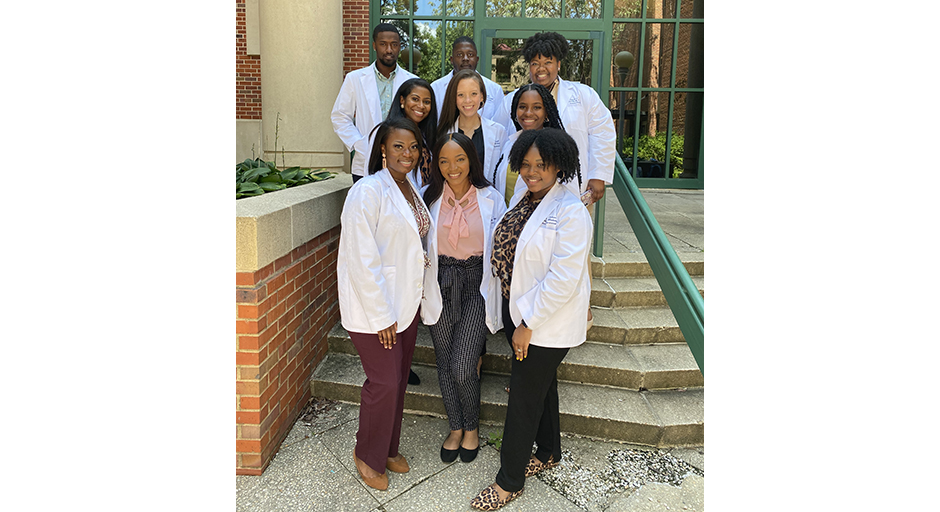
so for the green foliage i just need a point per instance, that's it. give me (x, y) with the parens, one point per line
(255, 177)
(495, 439)
(654, 148)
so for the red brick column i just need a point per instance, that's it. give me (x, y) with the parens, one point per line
(247, 71)
(284, 313)
(357, 35)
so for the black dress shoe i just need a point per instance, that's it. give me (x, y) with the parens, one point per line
(468, 455)
(448, 456)
(413, 378)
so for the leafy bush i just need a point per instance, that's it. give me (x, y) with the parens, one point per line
(255, 177)
(654, 148)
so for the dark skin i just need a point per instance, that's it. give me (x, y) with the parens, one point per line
(464, 56)
(387, 45)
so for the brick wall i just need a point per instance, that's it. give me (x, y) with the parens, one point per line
(357, 35)
(247, 72)
(284, 313)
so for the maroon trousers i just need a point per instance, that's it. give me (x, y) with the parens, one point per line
(383, 394)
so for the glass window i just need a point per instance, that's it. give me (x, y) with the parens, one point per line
(543, 9)
(428, 7)
(460, 7)
(626, 38)
(592, 9)
(688, 7)
(627, 8)
(509, 69)
(503, 8)
(658, 66)
(395, 7)
(427, 49)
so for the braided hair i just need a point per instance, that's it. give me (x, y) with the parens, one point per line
(556, 148)
(552, 117)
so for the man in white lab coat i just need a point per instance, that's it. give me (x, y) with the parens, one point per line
(366, 95)
(463, 55)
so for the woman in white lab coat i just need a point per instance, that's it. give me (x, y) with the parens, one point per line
(540, 249)
(459, 113)
(464, 208)
(384, 276)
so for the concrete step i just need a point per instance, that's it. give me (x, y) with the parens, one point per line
(619, 292)
(659, 366)
(634, 264)
(667, 418)
(634, 326)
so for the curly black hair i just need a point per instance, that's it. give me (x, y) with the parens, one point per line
(546, 44)
(436, 187)
(552, 117)
(556, 148)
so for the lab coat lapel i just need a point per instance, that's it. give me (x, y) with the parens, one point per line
(370, 91)
(539, 215)
(398, 200)
(564, 96)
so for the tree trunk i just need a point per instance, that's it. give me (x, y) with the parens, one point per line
(655, 30)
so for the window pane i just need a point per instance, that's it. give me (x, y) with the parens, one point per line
(625, 38)
(626, 127)
(660, 9)
(509, 69)
(658, 54)
(689, 127)
(627, 8)
(503, 8)
(688, 7)
(584, 9)
(389, 7)
(460, 7)
(428, 7)
(543, 9)
(427, 55)
(576, 66)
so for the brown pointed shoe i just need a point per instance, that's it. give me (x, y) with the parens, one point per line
(399, 466)
(380, 482)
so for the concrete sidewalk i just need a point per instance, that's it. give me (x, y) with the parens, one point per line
(313, 470)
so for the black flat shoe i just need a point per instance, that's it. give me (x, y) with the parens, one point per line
(448, 456)
(413, 378)
(468, 455)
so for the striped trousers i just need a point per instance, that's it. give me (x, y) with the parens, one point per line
(458, 338)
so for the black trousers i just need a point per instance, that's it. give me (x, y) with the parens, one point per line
(532, 413)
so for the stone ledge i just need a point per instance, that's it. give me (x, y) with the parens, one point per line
(273, 224)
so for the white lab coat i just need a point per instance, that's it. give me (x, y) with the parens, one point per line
(494, 136)
(357, 110)
(492, 107)
(551, 285)
(588, 121)
(492, 208)
(498, 178)
(380, 271)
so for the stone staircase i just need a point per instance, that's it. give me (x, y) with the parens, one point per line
(634, 380)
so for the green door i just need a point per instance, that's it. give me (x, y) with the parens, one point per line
(501, 57)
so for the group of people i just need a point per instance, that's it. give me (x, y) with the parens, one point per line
(470, 211)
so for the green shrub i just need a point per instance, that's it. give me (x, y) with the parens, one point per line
(654, 148)
(255, 177)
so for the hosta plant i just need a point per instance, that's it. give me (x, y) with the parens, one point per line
(255, 177)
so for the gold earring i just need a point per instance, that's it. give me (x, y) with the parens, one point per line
(384, 165)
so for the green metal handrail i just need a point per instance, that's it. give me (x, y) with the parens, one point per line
(681, 293)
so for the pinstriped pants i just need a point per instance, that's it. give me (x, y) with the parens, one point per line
(458, 338)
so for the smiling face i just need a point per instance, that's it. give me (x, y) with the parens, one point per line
(530, 112)
(401, 151)
(464, 56)
(469, 97)
(538, 177)
(543, 70)
(387, 45)
(417, 104)
(454, 165)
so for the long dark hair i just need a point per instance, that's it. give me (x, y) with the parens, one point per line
(428, 125)
(381, 133)
(436, 187)
(556, 149)
(552, 117)
(449, 113)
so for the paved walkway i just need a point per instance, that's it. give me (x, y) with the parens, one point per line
(313, 470)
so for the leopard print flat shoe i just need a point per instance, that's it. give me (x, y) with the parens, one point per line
(536, 466)
(488, 499)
